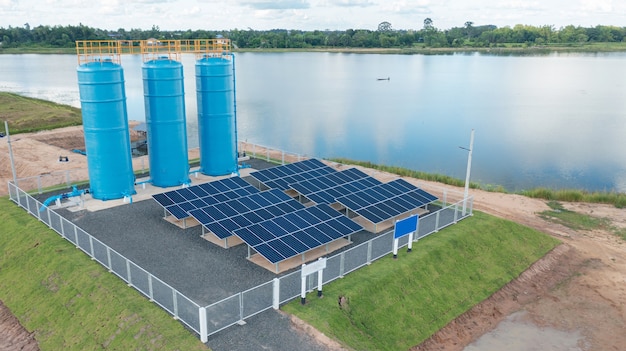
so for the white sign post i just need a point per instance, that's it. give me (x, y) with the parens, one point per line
(402, 228)
(308, 269)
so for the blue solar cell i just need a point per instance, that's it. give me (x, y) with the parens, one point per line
(306, 239)
(277, 210)
(296, 220)
(282, 248)
(214, 213)
(196, 189)
(201, 216)
(219, 198)
(284, 223)
(329, 211)
(229, 224)
(260, 199)
(317, 235)
(220, 186)
(242, 221)
(209, 188)
(238, 206)
(175, 196)
(329, 231)
(318, 198)
(198, 203)
(269, 253)
(210, 200)
(352, 225)
(218, 230)
(224, 208)
(186, 206)
(176, 211)
(253, 217)
(319, 214)
(251, 205)
(307, 217)
(261, 232)
(369, 215)
(418, 198)
(294, 243)
(163, 200)
(427, 195)
(265, 214)
(187, 194)
(274, 228)
(248, 236)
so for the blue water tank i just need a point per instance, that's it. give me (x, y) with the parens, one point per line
(164, 98)
(216, 119)
(105, 124)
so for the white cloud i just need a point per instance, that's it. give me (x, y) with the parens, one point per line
(596, 5)
(351, 3)
(276, 5)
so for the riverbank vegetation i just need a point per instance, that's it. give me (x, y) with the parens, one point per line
(25, 114)
(567, 195)
(424, 39)
(71, 302)
(396, 304)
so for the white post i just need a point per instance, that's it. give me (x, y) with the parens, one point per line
(319, 282)
(204, 330)
(6, 129)
(395, 248)
(410, 245)
(276, 294)
(467, 173)
(303, 290)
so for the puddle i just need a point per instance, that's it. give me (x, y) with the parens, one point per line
(516, 333)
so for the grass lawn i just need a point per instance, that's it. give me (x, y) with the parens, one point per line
(30, 115)
(72, 302)
(396, 304)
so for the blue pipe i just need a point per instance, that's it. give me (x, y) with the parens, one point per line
(74, 192)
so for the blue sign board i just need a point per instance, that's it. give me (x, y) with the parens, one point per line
(405, 226)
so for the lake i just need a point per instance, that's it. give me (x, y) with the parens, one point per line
(556, 120)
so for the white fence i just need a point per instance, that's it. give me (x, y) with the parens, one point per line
(208, 320)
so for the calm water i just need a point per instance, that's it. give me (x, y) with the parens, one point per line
(557, 120)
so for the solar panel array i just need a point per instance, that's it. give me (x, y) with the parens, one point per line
(280, 177)
(296, 232)
(180, 201)
(327, 188)
(385, 201)
(224, 218)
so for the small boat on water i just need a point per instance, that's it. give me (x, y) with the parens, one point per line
(383, 78)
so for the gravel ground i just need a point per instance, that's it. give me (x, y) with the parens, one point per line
(197, 268)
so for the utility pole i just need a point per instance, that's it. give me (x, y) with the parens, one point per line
(6, 129)
(467, 173)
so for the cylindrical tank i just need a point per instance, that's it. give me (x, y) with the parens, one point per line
(216, 119)
(164, 98)
(105, 124)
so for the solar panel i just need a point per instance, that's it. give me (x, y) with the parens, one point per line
(326, 189)
(385, 201)
(180, 201)
(294, 233)
(280, 177)
(224, 218)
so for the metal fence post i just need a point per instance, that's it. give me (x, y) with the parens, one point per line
(276, 294)
(341, 264)
(92, 254)
(109, 260)
(175, 302)
(437, 221)
(204, 330)
(130, 280)
(369, 252)
(75, 234)
(456, 208)
(471, 211)
(150, 289)
(241, 321)
(445, 195)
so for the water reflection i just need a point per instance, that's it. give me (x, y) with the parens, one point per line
(552, 120)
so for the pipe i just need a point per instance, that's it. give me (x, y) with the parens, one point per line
(74, 192)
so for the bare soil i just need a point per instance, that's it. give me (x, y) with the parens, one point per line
(580, 286)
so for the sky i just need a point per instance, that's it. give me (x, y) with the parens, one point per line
(216, 15)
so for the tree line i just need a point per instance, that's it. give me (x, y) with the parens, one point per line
(468, 35)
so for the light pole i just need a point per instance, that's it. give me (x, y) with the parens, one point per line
(467, 173)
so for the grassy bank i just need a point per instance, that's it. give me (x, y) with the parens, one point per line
(30, 115)
(396, 304)
(568, 195)
(71, 302)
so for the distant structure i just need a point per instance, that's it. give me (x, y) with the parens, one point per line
(105, 120)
